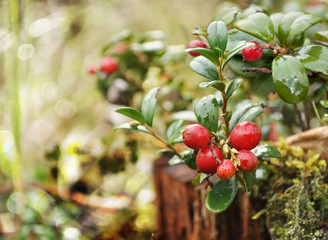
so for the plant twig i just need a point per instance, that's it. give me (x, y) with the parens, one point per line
(321, 43)
(300, 117)
(218, 161)
(259, 70)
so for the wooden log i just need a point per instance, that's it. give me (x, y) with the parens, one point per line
(182, 215)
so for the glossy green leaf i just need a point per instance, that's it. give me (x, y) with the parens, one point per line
(235, 36)
(207, 112)
(148, 106)
(258, 25)
(237, 49)
(314, 58)
(175, 160)
(173, 128)
(227, 14)
(294, 24)
(221, 195)
(266, 151)
(135, 127)
(204, 67)
(321, 36)
(220, 85)
(299, 42)
(245, 113)
(131, 113)
(176, 137)
(276, 18)
(261, 173)
(217, 35)
(250, 179)
(290, 79)
(203, 176)
(325, 117)
(233, 87)
(261, 85)
(189, 158)
(324, 103)
(196, 180)
(209, 54)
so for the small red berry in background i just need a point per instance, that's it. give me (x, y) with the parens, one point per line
(248, 161)
(245, 135)
(120, 48)
(195, 44)
(205, 161)
(226, 169)
(92, 69)
(196, 136)
(108, 65)
(252, 53)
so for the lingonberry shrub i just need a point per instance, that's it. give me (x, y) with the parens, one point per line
(279, 64)
(196, 136)
(108, 65)
(196, 43)
(252, 53)
(208, 159)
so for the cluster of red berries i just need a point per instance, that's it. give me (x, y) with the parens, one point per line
(108, 65)
(244, 137)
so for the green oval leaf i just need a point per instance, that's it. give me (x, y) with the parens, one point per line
(209, 54)
(217, 35)
(131, 113)
(227, 14)
(250, 180)
(175, 160)
(176, 137)
(221, 195)
(216, 84)
(324, 103)
(135, 127)
(314, 58)
(236, 50)
(207, 112)
(276, 18)
(321, 36)
(189, 158)
(173, 128)
(266, 151)
(245, 113)
(148, 106)
(293, 24)
(233, 87)
(204, 67)
(289, 79)
(258, 25)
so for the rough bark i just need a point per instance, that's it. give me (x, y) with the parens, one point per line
(182, 215)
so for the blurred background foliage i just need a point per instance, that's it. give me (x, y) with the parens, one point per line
(69, 161)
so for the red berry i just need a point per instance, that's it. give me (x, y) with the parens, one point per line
(108, 65)
(196, 136)
(248, 161)
(252, 53)
(205, 161)
(226, 169)
(245, 135)
(195, 44)
(92, 69)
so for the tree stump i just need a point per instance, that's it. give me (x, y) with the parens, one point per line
(182, 215)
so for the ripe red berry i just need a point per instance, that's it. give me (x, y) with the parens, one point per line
(226, 169)
(196, 136)
(195, 44)
(252, 53)
(248, 161)
(92, 69)
(205, 161)
(108, 65)
(245, 135)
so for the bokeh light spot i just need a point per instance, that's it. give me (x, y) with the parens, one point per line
(26, 52)
(49, 90)
(65, 108)
(6, 141)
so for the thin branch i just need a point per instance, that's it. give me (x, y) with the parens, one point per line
(300, 117)
(259, 70)
(218, 161)
(321, 43)
(307, 115)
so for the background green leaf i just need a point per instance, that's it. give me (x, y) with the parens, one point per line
(258, 25)
(221, 195)
(250, 179)
(209, 54)
(245, 113)
(293, 24)
(131, 113)
(290, 79)
(234, 85)
(135, 127)
(227, 14)
(276, 18)
(173, 128)
(207, 112)
(204, 67)
(237, 49)
(220, 85)
(313, 58)
(321, 36)
(266, 151)
(148, 106)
